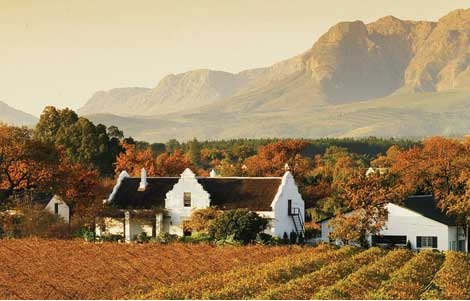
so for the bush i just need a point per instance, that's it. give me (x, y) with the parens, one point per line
(111, 237)
(201, 220)
(165, 238)
(29, 220)
(142, 238)
(293, 237)
(301, 239)
(242, 225)
(84, 233)
(285, 238)
(196, 237)
(265, 239)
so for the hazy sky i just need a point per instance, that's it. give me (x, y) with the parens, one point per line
(60, 52)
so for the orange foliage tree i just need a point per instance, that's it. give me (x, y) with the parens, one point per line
(271, 159)
(24, 162)
(133, 161)
(172, 164)
(366, 197)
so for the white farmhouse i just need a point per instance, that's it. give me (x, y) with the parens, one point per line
(160, 204)
(420, 222)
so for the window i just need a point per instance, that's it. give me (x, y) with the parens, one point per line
(426, 242)
(56, 208)
(187, 199)
(388, 240)
(289, 207)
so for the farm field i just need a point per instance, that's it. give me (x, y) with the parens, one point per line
(42, 269)
(55, 269)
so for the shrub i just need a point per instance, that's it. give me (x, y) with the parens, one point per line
(242, 225)
(301, 239)
(197, 237)
(265, 239)
(84, 233)
(285, 238)
(201, 220)
(165, 238)
(142, 238)
(293, 237)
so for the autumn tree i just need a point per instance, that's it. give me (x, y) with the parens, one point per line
(133, 161)
(366, 198)
(80, 188)
(434, 168)
(272, 158)
(172, 164)
(25, 163)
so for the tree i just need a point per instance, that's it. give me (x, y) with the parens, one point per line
(81, 189)
(82, 141)
(366, 198)
(25, 163)
(133, 161)
(201, 220)
(272, 159)
(172, 164)
(242, 224)
(115, 132)
(194, 152)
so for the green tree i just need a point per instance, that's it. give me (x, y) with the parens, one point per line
(241, 224)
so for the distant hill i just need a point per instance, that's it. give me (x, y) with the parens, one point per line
(389, 77)
(13, 116)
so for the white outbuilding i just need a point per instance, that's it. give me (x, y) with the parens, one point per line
(416, 221)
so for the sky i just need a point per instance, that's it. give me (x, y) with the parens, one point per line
(55, 52)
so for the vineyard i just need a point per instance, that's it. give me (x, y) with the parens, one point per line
(325, 272)
(40, 269)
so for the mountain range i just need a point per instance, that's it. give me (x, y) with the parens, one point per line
(13, 116)
(390, 77)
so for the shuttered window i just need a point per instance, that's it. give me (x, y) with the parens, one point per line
(426, 242)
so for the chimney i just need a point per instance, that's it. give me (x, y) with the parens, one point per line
(286, 167)
(143, 180)
(212, 174)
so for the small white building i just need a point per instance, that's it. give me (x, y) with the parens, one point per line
(420, 222)
(160, 204)
(57, 206)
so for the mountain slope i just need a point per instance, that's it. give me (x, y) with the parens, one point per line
(13, 116)
(387, 77)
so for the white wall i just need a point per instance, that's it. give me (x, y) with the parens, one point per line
(113, 226)
(174, 200)
(64, 210)
(287, 191)
(402, 221)
(139, 225)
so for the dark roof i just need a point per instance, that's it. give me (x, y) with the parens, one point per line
(426, 205)
(128, 195)
(254, 194)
